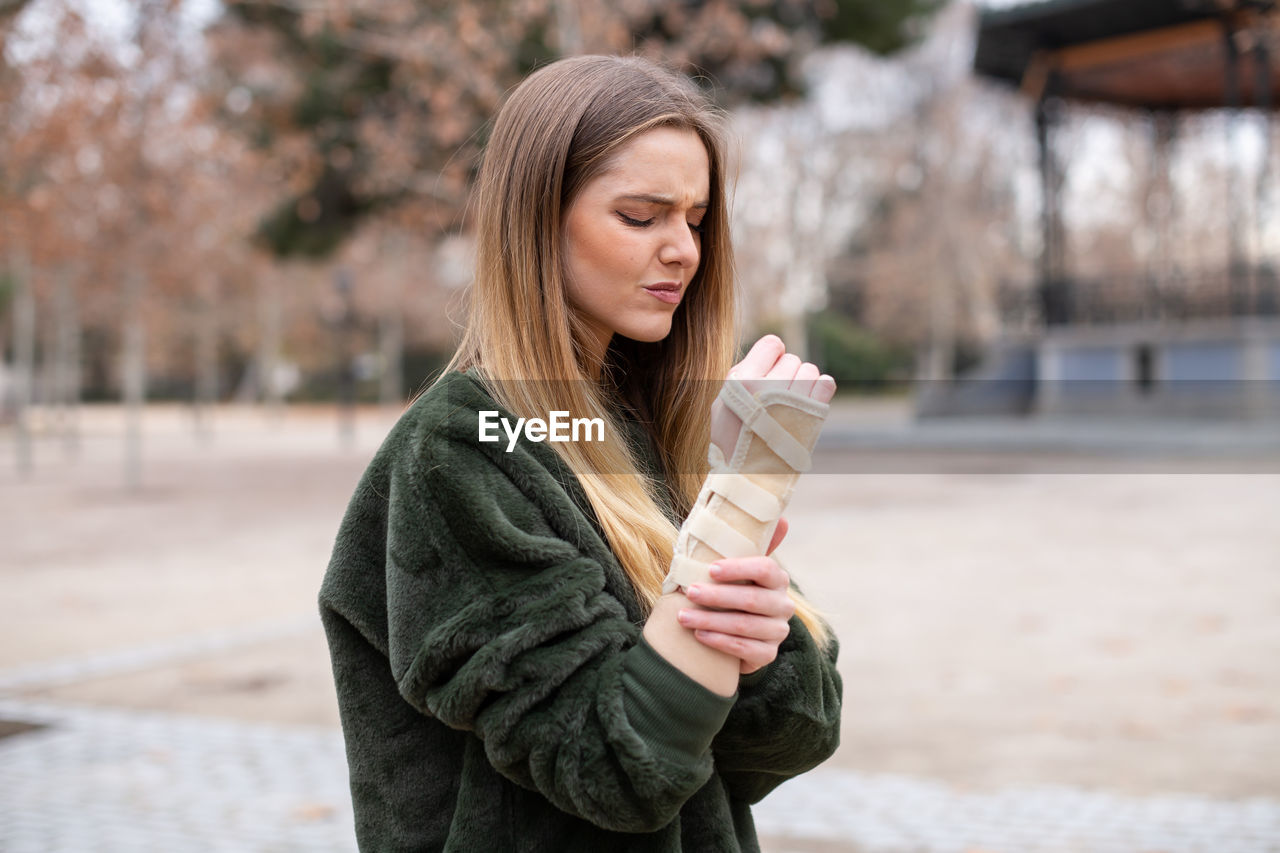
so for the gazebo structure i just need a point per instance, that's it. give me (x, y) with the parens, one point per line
(1166, 343)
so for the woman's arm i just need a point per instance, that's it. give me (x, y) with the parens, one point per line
(740, 614)
(714, 669)
(786, 719)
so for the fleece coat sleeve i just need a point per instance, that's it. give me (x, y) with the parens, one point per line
(786, 719)
(502, 621)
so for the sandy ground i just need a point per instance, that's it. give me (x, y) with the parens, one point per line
(999, 625)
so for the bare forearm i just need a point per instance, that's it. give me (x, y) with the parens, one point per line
(713, 669)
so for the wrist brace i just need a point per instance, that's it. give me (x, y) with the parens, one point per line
(743, 497)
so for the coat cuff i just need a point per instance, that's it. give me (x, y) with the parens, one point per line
(754, 678)
(671, 712)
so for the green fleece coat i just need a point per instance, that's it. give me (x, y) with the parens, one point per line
(495, 691)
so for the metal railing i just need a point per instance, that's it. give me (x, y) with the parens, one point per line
(1252, 291)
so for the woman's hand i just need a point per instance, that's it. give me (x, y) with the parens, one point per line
(750, 607)
(768, 364)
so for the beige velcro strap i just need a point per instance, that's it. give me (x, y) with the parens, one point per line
(720, 536)
(760, 503)
(684, 572)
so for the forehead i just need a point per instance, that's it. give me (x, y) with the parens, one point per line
(664, 161)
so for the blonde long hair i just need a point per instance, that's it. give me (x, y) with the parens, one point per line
(558, 130)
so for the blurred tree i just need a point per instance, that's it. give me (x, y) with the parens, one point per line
(882, 27)
(9, 9)
(859, 360)
(129, 205)
(380, 107)
(887, 198)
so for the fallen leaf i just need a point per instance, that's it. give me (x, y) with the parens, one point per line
(314, 811)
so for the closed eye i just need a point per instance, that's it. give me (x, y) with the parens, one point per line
(636, 223)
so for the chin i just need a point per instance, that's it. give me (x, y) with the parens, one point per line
(649, 334)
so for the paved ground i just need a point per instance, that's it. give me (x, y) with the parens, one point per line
(1060, 645)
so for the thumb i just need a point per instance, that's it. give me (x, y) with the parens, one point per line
(779, 533)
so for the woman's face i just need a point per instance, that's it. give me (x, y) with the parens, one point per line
(632, 237)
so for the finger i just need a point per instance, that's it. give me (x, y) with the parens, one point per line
(806, 376)
(760, 360)
(779, 533)
(824, 389)
(750, 626)
(753, 653)
(784, 370)
(747, 598)
(762, 570)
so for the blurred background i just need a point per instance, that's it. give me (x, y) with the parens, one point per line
(1035, 243)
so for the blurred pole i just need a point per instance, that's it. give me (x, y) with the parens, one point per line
(1264, 282)
(391, 326)
(1159, 210)
(46, 371)
(1055, 303)
(24, 355)
(345, 328)
(391, 333)
(939, 358)
(1237, 274)
(206, 390)
(135, 377)
(269, 343)
(940, 355)
(67, 361)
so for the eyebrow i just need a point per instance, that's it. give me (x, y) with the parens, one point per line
(660, 199)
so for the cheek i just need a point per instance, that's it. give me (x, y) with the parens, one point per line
(611, 253)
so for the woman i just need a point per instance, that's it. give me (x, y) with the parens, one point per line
(510, 675)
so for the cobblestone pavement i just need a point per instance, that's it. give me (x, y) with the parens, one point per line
(108, 780)
(894, 814)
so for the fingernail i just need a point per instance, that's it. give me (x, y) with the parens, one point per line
(716, 570)
(693, 590)
(683, 616)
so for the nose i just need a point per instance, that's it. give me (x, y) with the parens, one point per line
(679, 246)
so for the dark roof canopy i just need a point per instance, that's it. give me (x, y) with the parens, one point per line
(1157, 54)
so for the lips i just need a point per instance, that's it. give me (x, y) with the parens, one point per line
(667, 291)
